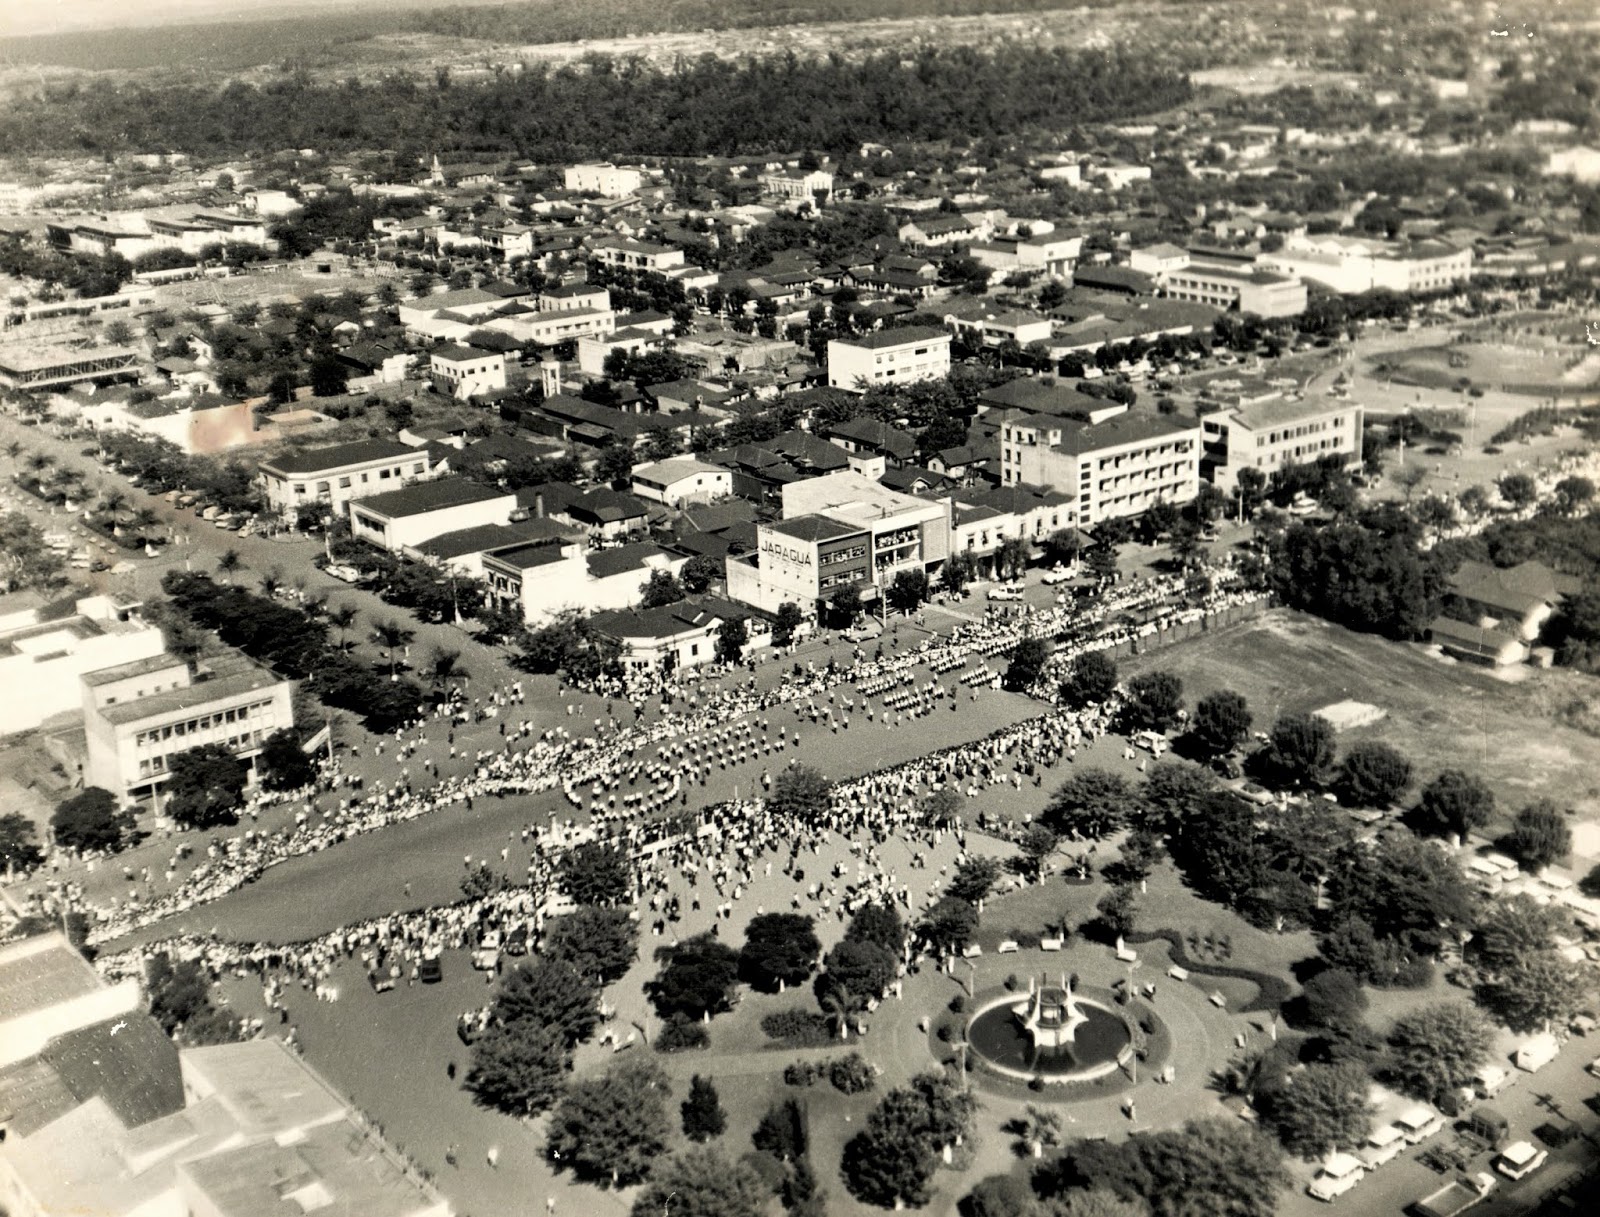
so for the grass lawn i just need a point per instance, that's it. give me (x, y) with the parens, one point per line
(1440, 714)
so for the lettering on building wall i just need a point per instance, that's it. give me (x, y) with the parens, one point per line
(799, 557)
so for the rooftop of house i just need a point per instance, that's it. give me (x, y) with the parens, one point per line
(466, 297)
(668, 620)
(813, 528)
(604, 563)
(128, 1061)
(424, 497)
(908, 335)
(1521, 588)
(39, 973)
(528, 557)
(339, 456)
(674, 469)
(1264, 415)
(262, 1084)
(136, 667)
(489, 538)
(1132, 427)
(458, 353)
(875, 433)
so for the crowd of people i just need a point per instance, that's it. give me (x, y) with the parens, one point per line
(623, 778)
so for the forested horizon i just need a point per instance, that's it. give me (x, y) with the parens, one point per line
(607, 107)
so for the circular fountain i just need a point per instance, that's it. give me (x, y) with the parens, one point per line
(1052, 1033)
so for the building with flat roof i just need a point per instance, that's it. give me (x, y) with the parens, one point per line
(888, 357)
(137, 717)
(400, 519)
(628, 254)
(1352, 265)
(33, 365)
(46, 654)
(546, 579)
(330, 478)
(1112, 462)
(47, 989)
(1270, 436)
(841, 529)
(1245, 289)
(463, 371)
(607, 180)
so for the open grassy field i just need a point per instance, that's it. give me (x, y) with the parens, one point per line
(1440, 714)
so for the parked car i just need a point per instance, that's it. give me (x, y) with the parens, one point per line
(430, 971)
(1520, 1159)
(1338, 1175)
(1419, 1123)
(1005, 591)
(1382, 1145)
(1057, 574)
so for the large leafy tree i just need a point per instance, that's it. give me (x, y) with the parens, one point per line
(1539, 835)
(697, 977)
(520, 1069)
(779, 949)
(595, 874)
(1091, 680)
(701, 1182)
(800, 792)
(1027, 664)
(1455, 802)
(1221, 722)
(1091, 804)
(949, 925)
(1536, 992)
(892, 1160)
(880, 924)
(1154, 700)
(18, 841)
(90, 819)
(1407, 886)
(614, 1128)
(1435, 1051)
(975, 878)
(598, 943)
(1372, 774)
(283, 763)
(1301, 749)
(550, 993)
(1172, 790)
(1211, 1166)
(855, 972)
(1320, 1108)
(204, 786)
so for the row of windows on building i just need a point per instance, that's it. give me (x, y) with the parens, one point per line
(202, 722)
(150, 766)
(838, 578)
(383, 475)
(842, 555)
(1288, 456)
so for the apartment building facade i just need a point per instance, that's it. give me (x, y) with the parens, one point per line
(888, 357)
(332, 477)
(1270, 436)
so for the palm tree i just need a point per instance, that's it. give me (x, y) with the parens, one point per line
(836, 1007)
(444, 666)
(316, 606)
(13, 449)
(341, 619)
(1041, 1129)
(271, 582)
(40, 461)
(230, 563)
(144, 518)
(113, 502)
(391, 636)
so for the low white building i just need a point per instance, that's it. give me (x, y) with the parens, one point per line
(547, 579)
(888, 357)
(680, 480)
(409, 517)
(607, 180)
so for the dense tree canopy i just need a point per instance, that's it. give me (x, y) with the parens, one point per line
(1091, 804)
(613, 1128)
(90, 819)
(204, 786)
(1435, 1051)
(1091, 680)
(1221, 722)
(697, 977)
(606, 107)
(779, 948)
(1455, 802)
(1214, 1166)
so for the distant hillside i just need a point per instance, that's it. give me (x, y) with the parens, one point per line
(318, 38)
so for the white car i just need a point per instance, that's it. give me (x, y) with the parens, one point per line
(1338, 1175)
(1519, 1160)
(1006, 591)
(1420, 1123)
(1057, 574)
(1382, 1145)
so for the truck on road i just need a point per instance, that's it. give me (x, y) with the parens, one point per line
(1457, 1196)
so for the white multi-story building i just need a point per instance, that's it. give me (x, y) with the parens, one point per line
(1351, 265)
(888, 357)
(138, 716)
(1111, 461)
(839, 530)
(332, 477)
(1245, 288)
(41, 660)
(627, 254)
(606, 180)
(400, 519)
(463, 372)
(545, 579)
(547, 327)
(1270, 436)
(795, 187)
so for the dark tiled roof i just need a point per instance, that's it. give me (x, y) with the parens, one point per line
(320, 460)
(604, 563)
(814, 528)
(127, 1061)
(429, 496)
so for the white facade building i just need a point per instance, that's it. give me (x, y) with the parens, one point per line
(607, 180)
(332, 477)
(41, 661)
(901, 356)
